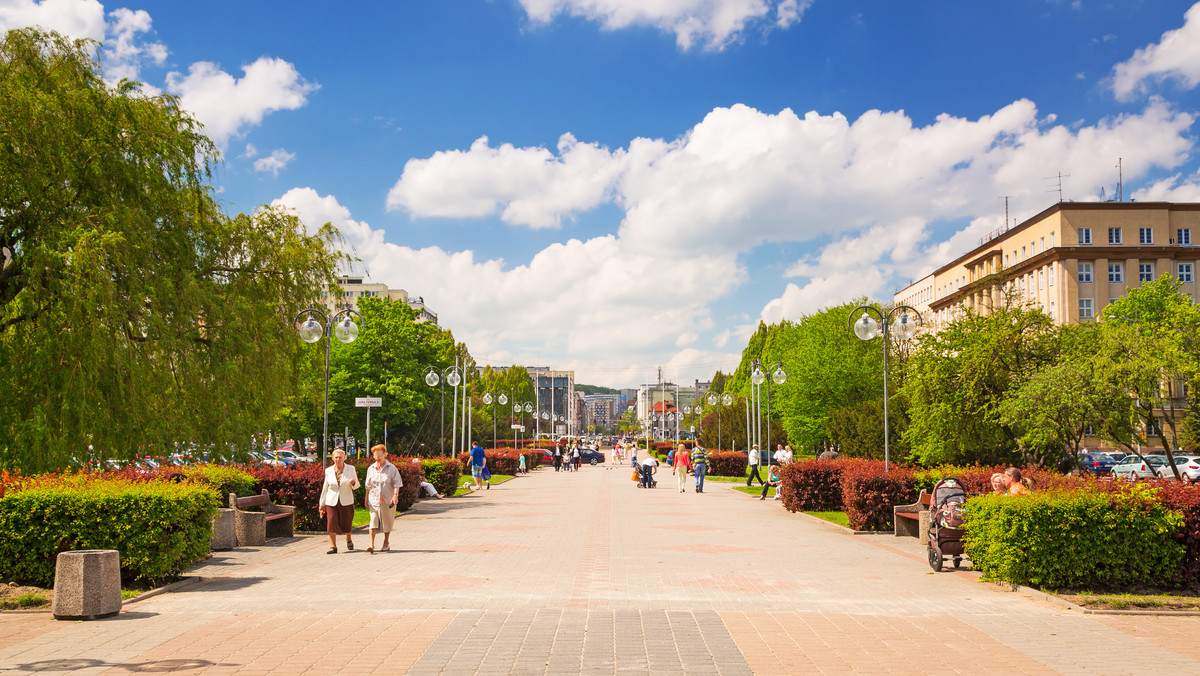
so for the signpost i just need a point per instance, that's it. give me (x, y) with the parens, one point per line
(369, 403)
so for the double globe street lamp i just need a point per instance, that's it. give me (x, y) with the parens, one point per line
(774, 374)
(310, 330)
(451, 376)
(873, 323)
(712, 399)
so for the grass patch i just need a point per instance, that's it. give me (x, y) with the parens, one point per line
(756, 491)
(23, 601)
(1128, 601)
(496, 479)
(361, 517)
(127, 594)
(839, 518)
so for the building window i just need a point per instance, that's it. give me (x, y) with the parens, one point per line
(1085, 308)
(1041, 279)
(1006, 260)
(1051, 240)
(1085, 235)
(1050, 273)
(1183, 236)
(1145, 272)
(1023, 256)
(1145, 236)
(1114, 273)
(1085, 273)
(1114, 235)
(1052, 310)
(1185, 273)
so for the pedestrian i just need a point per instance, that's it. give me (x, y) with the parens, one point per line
(699, 458)
(337, 500)
(754, 459)
(780, 454)
(478, 462)
(772, 482)
(788, 455)
(383, 492)
(558, 456)
(649, 467)
(682, 464)
(1017, 485)
(521, 464)
(575, 456)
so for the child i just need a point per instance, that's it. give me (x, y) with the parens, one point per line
(521, 464)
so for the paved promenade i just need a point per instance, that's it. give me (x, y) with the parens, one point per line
(556, 573)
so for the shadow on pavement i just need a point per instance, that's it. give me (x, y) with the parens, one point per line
(218, 584)
(154, 666)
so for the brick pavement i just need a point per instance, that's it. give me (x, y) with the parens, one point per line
(567, 573)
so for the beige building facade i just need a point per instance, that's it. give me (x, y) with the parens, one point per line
(1071, 260)
(350, 289)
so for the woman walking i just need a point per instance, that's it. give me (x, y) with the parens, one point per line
(337, 500)
(383, 491)
(682, 463)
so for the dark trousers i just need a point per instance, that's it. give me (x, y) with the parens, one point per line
(766, 487)
(753, 475)
(557, 462)
(647, 476)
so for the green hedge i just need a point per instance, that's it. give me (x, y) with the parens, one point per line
(1082, 538)
(443, 473)
(160, 529)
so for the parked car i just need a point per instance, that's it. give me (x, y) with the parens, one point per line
(284, 454)
(270, 458)
(1132, 467)
(1188, 465)
(591, 457)
(1098, 464)
(547, 456)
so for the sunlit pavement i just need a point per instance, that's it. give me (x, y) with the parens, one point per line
(565, 573)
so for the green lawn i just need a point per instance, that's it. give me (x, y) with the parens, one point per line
(839, 518)
(496, 479)
(754, 490)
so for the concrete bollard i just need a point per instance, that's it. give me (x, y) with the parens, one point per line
(224, 531)
(87, 584)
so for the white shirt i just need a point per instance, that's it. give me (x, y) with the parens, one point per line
(382, 482)
(650, 461)
(754, 456)
(780, 456)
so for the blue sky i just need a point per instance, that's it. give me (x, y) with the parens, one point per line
(617, 185)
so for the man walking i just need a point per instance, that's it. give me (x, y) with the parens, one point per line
(699, 466)
(754, 459)
(478, 463)
(558, 456)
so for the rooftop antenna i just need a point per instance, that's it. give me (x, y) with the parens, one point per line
(1061, 176)
(1006, 212)
(1120, 182)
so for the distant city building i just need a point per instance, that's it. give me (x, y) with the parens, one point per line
(602, 410)
(350, 289)
(557, 400)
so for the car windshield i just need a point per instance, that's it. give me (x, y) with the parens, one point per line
(1156, 460)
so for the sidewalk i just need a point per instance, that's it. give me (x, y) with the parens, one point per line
(564, 573)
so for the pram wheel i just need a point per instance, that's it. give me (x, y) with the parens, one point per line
(935, 558)
(957, 562)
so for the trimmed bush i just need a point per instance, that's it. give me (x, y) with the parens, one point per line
(502, 461)
(726, 463)
(812, 486)
(443, 473)
(1083, 538)
(869, 494)
(159, 528)
(1184, 498)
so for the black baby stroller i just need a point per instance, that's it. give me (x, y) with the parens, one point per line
(945, 522)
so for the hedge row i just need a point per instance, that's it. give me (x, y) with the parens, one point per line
(504, 460)
(726, 463)
(158, 528)
(1080, 538)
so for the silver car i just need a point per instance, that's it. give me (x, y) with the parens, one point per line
(1132, 467)
(1188, 465)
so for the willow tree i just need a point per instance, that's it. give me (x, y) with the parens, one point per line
(133, 312)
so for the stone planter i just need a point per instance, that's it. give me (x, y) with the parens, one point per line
(224, 535)
(87, 584)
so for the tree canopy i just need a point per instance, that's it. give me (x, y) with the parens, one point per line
(131, 308)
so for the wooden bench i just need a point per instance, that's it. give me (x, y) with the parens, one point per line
(913, 520)
(253, 528)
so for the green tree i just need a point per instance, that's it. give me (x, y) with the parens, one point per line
(133, 312)
(1148, 346)
(958, 378)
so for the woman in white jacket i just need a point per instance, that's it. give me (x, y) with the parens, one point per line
(337, 500)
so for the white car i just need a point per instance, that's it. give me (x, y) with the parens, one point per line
(1188, 465)
(290, 455)
(1132, 467)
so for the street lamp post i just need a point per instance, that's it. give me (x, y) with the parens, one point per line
(310, 330)
(777, 374)
(487, 400)
(757, 377)
(873, 323)
(528, 408)
(433, 378)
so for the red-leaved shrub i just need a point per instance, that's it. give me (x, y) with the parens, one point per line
(869, 493)
(812, 486)
(726, 463)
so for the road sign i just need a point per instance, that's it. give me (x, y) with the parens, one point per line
(693, 429)
(368, 402)
(517, 427)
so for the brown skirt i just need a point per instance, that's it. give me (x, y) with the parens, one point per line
(339, 519)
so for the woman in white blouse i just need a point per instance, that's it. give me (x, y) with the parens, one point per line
(337, 500)
(383, 490)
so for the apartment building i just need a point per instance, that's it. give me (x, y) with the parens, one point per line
(350, 289)
(1071, 260)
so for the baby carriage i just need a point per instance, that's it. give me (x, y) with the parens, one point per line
(946, 522)
(641, 470)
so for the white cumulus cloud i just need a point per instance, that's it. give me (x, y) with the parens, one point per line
(73, 18)
(275, 162)
(1175, 56)
(710, 24)
(227, 106)
(584, 297)
(125, 51)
